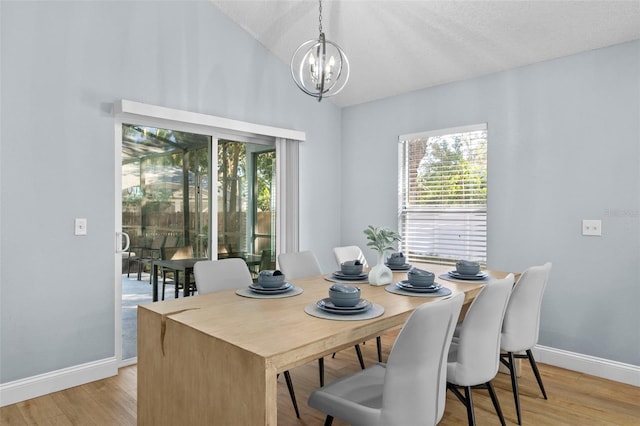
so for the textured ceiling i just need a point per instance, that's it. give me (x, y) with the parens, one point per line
(397, 46)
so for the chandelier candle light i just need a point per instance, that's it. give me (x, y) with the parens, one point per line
(320, 67)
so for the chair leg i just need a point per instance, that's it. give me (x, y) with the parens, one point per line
(287, 378)
(360, 358)
(514, 383)
(496, 404)
(471, 417)
(321, 370)
(328, 421)
(379, 346)
(534, 367)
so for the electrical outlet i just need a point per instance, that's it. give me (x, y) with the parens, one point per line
(592, 227)
(81, 226)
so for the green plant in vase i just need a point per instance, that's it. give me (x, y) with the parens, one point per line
(382, 240)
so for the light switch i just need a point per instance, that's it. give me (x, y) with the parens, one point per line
(81, 226)
(592, 227)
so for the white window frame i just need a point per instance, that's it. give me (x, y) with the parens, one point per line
(470, 224)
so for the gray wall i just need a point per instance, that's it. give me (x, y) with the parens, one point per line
(564, 145)
(63, 65)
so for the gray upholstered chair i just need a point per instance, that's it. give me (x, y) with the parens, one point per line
(522, 323)
(305, 264)
(230, 274)
(345, 253)
(475, 351)
(410, 389)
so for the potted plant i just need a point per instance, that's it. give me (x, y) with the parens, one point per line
(382, 240)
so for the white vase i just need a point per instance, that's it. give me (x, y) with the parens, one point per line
(380, 274)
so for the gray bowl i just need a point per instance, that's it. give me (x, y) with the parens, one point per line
(465, 267)
(396, 259)
(344, 295)
(420, 278)
(351, 268)
(271, 279)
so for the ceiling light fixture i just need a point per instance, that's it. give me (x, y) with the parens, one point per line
(320, 67)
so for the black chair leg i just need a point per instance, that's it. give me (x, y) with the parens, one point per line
(360, 358)
(511, 365)
(321, 370)
(379, 346)
(287, 378)
(471, 417)
(328, 421)
(534, 367)
(496, 404)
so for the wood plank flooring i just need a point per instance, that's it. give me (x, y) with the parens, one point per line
(574, 399)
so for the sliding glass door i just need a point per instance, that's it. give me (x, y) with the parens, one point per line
(247, 203)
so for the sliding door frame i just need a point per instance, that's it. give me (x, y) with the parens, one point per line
(286, 145)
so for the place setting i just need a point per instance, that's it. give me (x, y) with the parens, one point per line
(270, 285)
(397, 262)
(350, 271)
(419, 283)
(466, 271)
(344, 303)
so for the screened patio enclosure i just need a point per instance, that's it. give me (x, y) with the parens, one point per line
(167, 188)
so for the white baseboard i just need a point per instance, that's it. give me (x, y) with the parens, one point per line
(32, 387)
(42, 384)
(599, 367)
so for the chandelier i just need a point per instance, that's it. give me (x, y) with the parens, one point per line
(320, 67)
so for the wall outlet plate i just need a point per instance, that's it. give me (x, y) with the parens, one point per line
(592, 227)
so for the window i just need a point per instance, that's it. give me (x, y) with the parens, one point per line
(443, 195)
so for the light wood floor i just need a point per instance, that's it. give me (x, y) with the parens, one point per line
(574, 399)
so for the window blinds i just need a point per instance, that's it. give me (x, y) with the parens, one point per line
(443, 195)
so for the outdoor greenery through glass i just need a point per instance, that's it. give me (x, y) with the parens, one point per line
(443, 200)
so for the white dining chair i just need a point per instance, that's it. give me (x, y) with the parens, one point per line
(305, 264)
(230, 274)
(410, 389)
(521, 325)
(345, 253)
(474, 352)
(299, 264)
(342, 254)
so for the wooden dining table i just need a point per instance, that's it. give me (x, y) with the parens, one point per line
(213, 359)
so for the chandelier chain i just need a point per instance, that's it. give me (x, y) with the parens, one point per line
(320, 16)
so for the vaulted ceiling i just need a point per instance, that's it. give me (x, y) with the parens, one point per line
(397, 46)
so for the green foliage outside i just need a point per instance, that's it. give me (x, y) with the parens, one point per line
(452, 170)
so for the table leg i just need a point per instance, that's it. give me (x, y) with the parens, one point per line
(187, 273)
(176, 278)
(155, 282)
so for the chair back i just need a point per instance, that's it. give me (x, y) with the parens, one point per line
(342, 254)
(299, 265)
(171, 241)
(522, 318)
(477, 347)
(223, 274)
(266, 261)
(415, 378)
